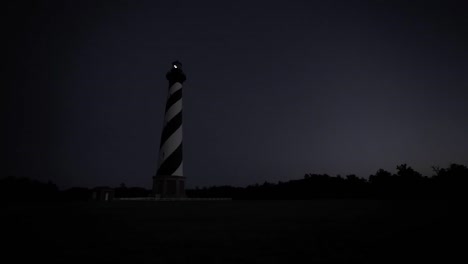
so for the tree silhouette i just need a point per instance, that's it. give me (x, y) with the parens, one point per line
(24, 189)
(451, 181)
(407, 183)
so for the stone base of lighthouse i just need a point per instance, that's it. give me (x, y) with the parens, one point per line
(168, 186)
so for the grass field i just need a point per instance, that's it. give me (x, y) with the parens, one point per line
(320, 231)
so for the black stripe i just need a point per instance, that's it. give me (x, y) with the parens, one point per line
(171, 127)
(174, 98)
(175, 75)
(172, 163)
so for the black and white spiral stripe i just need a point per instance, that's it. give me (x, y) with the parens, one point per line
(170, 150)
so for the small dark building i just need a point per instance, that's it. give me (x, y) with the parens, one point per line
(102, 194)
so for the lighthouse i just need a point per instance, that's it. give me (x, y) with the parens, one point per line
(169, 181)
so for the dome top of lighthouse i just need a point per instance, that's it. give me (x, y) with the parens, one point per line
(176, 74)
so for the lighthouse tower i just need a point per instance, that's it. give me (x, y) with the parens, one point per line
(169, 181)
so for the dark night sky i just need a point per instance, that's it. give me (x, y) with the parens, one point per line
(274, 89)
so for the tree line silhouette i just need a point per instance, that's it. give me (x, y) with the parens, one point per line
(405, 184)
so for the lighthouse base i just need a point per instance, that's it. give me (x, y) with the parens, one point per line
(168, 186)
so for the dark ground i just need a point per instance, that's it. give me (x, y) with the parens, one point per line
(317, 231)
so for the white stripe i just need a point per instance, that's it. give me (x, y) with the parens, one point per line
(174, 88)
(170, 145)
(180, 170)
(173, 111)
